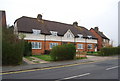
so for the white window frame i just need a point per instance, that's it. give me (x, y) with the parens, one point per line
(36, 32)
(90, 37)
(80, 35)
(68, 35)
(54, 44)
(80, 47)
(104, 40)
(91, 46)
(54, 33)
(39, 45)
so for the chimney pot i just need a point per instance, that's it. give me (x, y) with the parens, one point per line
(96, 28)
(75, 23)
(39, 17)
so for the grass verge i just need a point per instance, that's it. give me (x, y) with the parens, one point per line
(81, 58)
(43, 57)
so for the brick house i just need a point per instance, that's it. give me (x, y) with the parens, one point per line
(103, 41)
(44, 34)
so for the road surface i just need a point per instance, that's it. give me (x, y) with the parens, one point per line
(98, 70)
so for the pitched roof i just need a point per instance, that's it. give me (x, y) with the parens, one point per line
(88, 33)
(26, 24)
(101, 34)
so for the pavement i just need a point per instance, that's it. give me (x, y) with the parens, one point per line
(26, 66)
(34, 61)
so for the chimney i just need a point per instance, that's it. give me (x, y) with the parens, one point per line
(96, 28)
(2, 19)
(39, 17)
(75, 24)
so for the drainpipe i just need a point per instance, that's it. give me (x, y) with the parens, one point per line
(85, 44)
(61, 40)
(74, 41)
(44, 43)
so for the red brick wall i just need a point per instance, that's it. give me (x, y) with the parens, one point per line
(99, 39)
(46, 46)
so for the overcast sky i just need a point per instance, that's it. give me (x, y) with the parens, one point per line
(88, 13)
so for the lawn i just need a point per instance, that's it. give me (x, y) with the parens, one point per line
(43, 57)
(81, 58)
(93, 53)
(48, 57)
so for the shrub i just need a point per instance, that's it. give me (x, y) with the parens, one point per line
(107, 51)
(27, 48)
(47, 52)
(12, 48)
(63, 52)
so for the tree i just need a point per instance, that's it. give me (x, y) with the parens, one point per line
(22, 36)
(12, 48)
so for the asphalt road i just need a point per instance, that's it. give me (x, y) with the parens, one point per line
(98, 70)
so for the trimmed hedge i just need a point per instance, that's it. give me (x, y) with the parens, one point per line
(27, 48)
(12, 48)
(63, 52)
(107, 51)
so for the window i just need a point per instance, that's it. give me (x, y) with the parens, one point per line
(103, 40)
(52, 45)
(80, 35)
(80, 46)
(64, 42)
(53, 33)
(36, 32)
(36, 45)
(90, 37)
(89, 46)
(68, 35)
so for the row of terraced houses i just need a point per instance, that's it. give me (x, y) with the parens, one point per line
(44, 34)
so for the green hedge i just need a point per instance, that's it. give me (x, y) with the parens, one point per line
(12, 48)
(107, 51)
(27, 48)
(63, 52)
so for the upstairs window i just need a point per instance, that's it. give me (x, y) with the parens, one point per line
(68, 35)
(36, 32)
(54, 33)
(36, 45)
(52, 45)
(90, 37)
(80, 35)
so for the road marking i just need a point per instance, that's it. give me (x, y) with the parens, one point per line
(77, 76)
(112, 68)
(50, 67)
(45, 68)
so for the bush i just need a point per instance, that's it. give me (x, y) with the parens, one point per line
(63, 52)
(107, 51)
(47, 52)
(27, 48)
(12, 48)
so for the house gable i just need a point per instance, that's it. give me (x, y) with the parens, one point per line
(69, 34)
